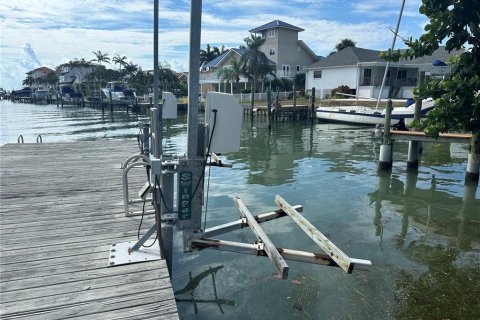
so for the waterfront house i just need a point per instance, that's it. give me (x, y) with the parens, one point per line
(210, 79)
(282, 47)
(71, 73)
(362, 70)
(39, 75)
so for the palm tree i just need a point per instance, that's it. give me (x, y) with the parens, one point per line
(28, 81)
(231, 74)
(52, 79)
(344, 43)
(208, 54)
(227, 75)
(121, 61)
(101, 57)
(219, 51)
(131, 68)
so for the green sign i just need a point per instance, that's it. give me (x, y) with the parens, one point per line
(185, 187)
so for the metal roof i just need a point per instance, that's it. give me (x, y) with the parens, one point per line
(215, 61)
(275, 24)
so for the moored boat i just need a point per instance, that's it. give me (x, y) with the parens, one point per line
(369, 116)
(119, 92)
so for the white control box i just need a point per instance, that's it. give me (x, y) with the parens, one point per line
(226, 126)
(169, 109)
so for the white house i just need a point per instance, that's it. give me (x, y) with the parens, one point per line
(362, 70)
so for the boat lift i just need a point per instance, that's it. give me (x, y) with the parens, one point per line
(181, 177)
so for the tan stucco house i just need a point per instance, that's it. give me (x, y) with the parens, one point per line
(282, 47)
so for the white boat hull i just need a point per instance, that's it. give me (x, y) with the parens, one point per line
(368, 116)
(352, 115)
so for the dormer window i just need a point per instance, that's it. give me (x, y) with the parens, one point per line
(271, 32)
(272, 51)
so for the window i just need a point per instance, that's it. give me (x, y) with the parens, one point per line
(272, 51)
(298, 69)
(402, 74)
(264, 33)
(317, 74)
(271, 32)
(286, 70)
(367, 77)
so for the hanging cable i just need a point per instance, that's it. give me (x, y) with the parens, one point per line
(206, 202)
(140, 226)
(206, 157)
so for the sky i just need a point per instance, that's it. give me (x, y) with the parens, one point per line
(51, 32)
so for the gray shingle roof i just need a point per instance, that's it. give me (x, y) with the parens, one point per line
(440, 54)
(348, 57)
(352, 55)
(275, 24)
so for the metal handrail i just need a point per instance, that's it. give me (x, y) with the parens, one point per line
(39, 139)
(20, 138)
(126, 201)
(135, 158)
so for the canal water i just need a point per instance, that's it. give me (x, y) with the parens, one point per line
(421, 231)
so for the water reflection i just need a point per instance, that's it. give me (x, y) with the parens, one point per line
(270, 156)
(195, 282)
(448, 247)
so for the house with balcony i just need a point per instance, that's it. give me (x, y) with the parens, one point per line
(282, 47)
(74, 74)
(362, 70)
(39, 75)
(210, 79)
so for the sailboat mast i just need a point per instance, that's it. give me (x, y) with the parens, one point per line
(392, 47)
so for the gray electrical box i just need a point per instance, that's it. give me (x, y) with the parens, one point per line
(226, 126)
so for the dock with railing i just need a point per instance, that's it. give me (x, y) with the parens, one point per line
(61, 209)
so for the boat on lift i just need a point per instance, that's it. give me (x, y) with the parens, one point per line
(120, 92)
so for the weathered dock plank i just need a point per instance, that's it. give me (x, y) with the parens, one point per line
(61, 208)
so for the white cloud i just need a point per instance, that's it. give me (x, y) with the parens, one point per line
(59, 31)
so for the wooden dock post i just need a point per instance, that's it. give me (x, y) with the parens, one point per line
(294, 116)
(252, 100)
(56, 98)
(386, 149)
(269, 109)
(414, 146)
(473, 164)
(111, 102)
(413, 158)
(312, 112)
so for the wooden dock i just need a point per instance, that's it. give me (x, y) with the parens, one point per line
(61, 208)
(420, 136)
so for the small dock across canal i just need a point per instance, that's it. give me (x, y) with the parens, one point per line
(61, 209)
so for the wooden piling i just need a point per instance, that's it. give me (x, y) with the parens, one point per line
(312, 112)
(111, 102)
(386, 149)
(269, 108)
(294, 115)
(472, 174)
(413, 157)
